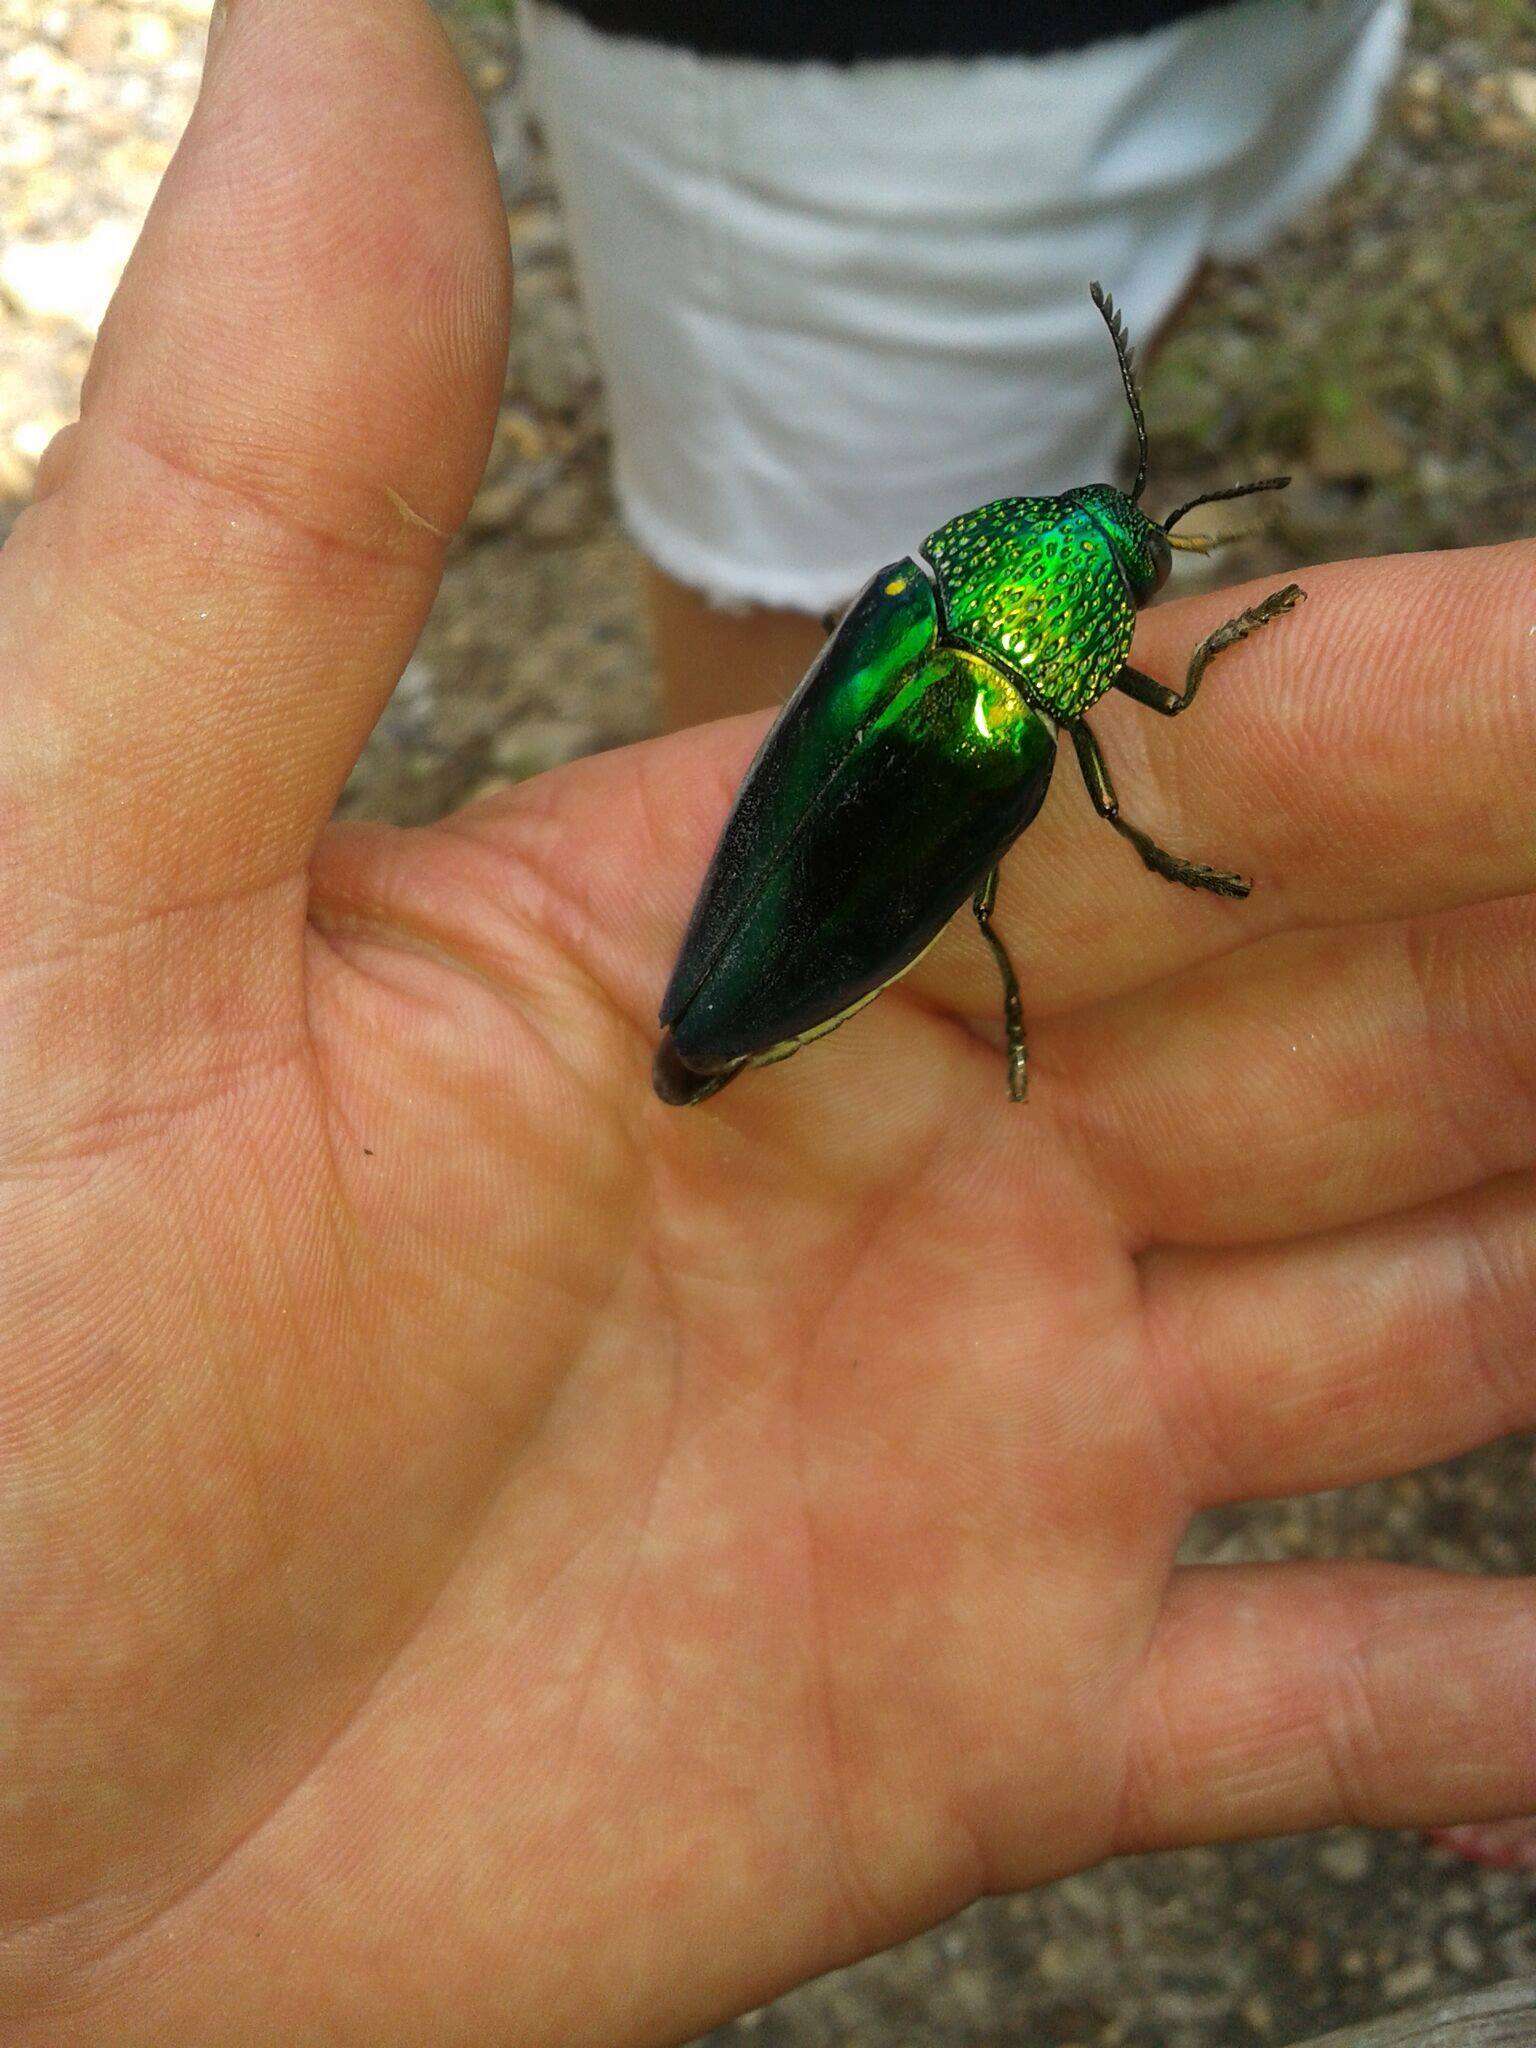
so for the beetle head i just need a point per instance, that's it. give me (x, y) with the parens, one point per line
(1143, 546)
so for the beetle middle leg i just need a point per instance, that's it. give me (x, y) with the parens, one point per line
(1193, 874)
(1171, 702)
(1013, 1009)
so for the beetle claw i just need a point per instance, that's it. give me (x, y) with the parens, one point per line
(1222, 884)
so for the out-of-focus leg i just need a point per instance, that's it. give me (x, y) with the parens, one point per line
(836, 306)
(712, 663)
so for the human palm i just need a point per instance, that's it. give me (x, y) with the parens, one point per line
(489, 1558)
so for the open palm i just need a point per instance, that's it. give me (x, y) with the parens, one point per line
(489, 1559)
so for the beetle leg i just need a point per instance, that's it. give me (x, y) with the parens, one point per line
(1193, 874)
(1171, 702)
(1013, 1008)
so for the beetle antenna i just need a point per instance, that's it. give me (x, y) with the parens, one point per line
(1117, 335)
(1266, 483)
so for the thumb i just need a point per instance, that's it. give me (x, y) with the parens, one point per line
(236, 546)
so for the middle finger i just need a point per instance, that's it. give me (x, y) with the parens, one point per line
(1313, 1080)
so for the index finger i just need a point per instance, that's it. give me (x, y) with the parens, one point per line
(1370, 755)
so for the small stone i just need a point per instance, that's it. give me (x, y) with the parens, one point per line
(1520, 338)
(1054, 1962)
(151, 39)
(136, 95)
(1346, 1858)
(1521, 86)
(93, 37)
(562, 513)
(25, 145)
(486, 786)
(1504, 130)
(1461, 1951)
(16, 474)
(31, 438)
(534, 744)
(52, 83)
(1408, 1980)
(498, 502)
(551, 360)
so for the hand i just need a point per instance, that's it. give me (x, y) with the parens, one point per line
(489, 1559)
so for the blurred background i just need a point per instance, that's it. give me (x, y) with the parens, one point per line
(1385, 354)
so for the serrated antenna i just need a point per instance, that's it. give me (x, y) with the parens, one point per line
(1117, 335)
(1265, 483)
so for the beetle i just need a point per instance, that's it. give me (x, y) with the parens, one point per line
(916, 750)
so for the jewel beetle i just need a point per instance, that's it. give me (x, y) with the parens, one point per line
(914, 753)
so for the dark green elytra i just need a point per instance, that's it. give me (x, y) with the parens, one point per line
(913, 754)
(876, 805)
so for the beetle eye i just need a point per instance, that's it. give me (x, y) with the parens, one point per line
(1162, 555)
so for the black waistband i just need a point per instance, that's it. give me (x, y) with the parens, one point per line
(852, 31)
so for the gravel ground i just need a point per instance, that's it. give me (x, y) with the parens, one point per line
(1386, 353)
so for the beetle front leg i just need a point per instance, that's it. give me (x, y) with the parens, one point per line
(1193, 874)
(1171, 702)
(1013, 1008)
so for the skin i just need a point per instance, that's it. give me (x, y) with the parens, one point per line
(712, 663)
(488, 1559)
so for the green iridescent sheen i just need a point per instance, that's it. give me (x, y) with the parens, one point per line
(877, 806)
(1140, 547)
(1035, 585)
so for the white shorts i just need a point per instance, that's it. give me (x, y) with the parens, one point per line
(835, 306)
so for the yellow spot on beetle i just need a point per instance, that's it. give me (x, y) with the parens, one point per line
(896, 586)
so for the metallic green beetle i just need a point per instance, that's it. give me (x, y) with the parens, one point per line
(914, 753)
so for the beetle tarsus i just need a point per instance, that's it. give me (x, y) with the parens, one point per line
(1275, 606)
(1158, 697)
(1195, 874)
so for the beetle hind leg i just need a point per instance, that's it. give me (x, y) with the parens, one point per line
(1193, 874)
(1013, 1007)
